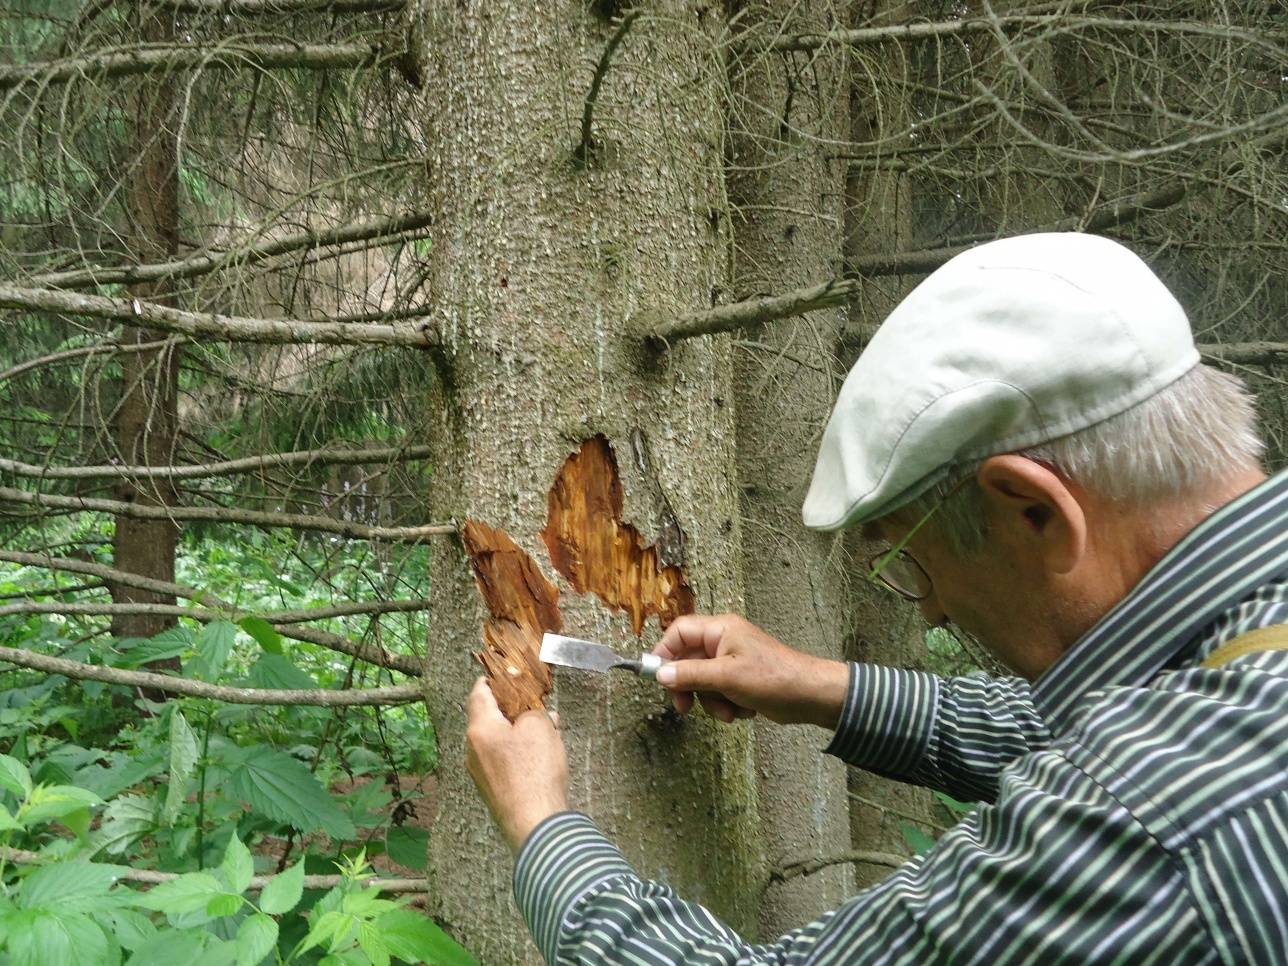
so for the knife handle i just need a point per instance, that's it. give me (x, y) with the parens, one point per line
(645, 667)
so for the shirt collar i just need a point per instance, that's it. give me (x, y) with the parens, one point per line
(1221, 561)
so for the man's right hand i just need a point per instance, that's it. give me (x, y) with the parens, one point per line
(738, 670)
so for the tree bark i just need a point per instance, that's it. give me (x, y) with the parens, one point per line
(147, 416)
(787, 199)
(540, 263)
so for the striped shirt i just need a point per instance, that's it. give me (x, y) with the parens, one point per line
(1134, 806)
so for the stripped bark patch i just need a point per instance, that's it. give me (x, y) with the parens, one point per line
(597, 552)
(523, 604)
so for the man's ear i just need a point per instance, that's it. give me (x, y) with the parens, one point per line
(1028, 497)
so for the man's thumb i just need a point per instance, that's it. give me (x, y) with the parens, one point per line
(692, 675)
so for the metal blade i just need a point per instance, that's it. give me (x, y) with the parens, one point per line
(584, 655)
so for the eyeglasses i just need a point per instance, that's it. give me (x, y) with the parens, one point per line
(901, 573)
(895, 568)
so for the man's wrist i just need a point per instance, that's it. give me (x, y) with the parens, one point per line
(519, 826)
(828, 683)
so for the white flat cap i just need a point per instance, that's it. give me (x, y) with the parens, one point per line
(1009, 345)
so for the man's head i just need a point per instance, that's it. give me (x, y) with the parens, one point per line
(1052, 415)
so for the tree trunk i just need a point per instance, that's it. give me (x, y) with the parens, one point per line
(787, 201)
(882, 628)
(544, 255)
(147, 416)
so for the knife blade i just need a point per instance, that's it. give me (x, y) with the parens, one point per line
(590, 656)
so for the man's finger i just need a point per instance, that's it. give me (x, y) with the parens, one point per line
(698, 675)
(691, 635)
(481, 704)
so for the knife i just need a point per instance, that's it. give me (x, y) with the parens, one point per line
(589, 656)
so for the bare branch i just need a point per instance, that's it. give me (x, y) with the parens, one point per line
(88, 350)
(742, 315)
(229, 328)
(298, 616)
(398, 694)
(585, 150)
(809, 866)
(181, 514)
(149, 58)
(1248, 353)
(364, 652)
(247, 8)
(236, 255)
(248, 464)
(257, 883)
(931, 30)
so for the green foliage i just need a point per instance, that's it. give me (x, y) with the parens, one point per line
(99, 780)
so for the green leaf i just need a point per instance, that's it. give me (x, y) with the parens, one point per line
(14, 777)
(370, 942)
(238, 867)
(256, 938)
(280, 787)
(263, 632)
(125, 821)
(68, 886)
(277, 671)
(283, 891)
(168, 947)
(54, 937)
(225, 904)
(188, 893)
(408, 845)
(213, 647)
(413, 937)
(49, 802)
(7, 823)
(917, 840)
(332, 930)
(131, 929)
(171, 642)
(183, 763)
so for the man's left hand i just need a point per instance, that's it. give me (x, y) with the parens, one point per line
(521, 769)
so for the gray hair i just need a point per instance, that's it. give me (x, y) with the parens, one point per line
(1183, 441)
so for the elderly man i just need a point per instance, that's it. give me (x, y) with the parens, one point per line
(1032, 434)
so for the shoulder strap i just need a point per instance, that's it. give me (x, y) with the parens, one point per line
(1274, 638)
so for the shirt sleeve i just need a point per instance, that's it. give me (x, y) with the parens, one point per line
(1072, 878)
(952, 734)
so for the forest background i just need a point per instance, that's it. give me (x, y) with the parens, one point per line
(325, 319)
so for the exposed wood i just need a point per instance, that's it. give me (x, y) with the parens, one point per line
(597, 552)
(523, 604)
(228, 328)
(398, 694)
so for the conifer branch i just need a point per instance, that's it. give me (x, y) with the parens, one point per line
(226, 328)
(238, 255)
(319, 697)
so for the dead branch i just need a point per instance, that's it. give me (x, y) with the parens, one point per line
(248, 8)
(257, 883)
(235, 256)
(364, 652)
(398, 694)
(809, 866)
(748, 313)
(89, 350)
(255, 518)
(931, 30)
(248, 464)
(228, 328)
(298, 616)
(1247, 353)
(584, 151)
(150, 58)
